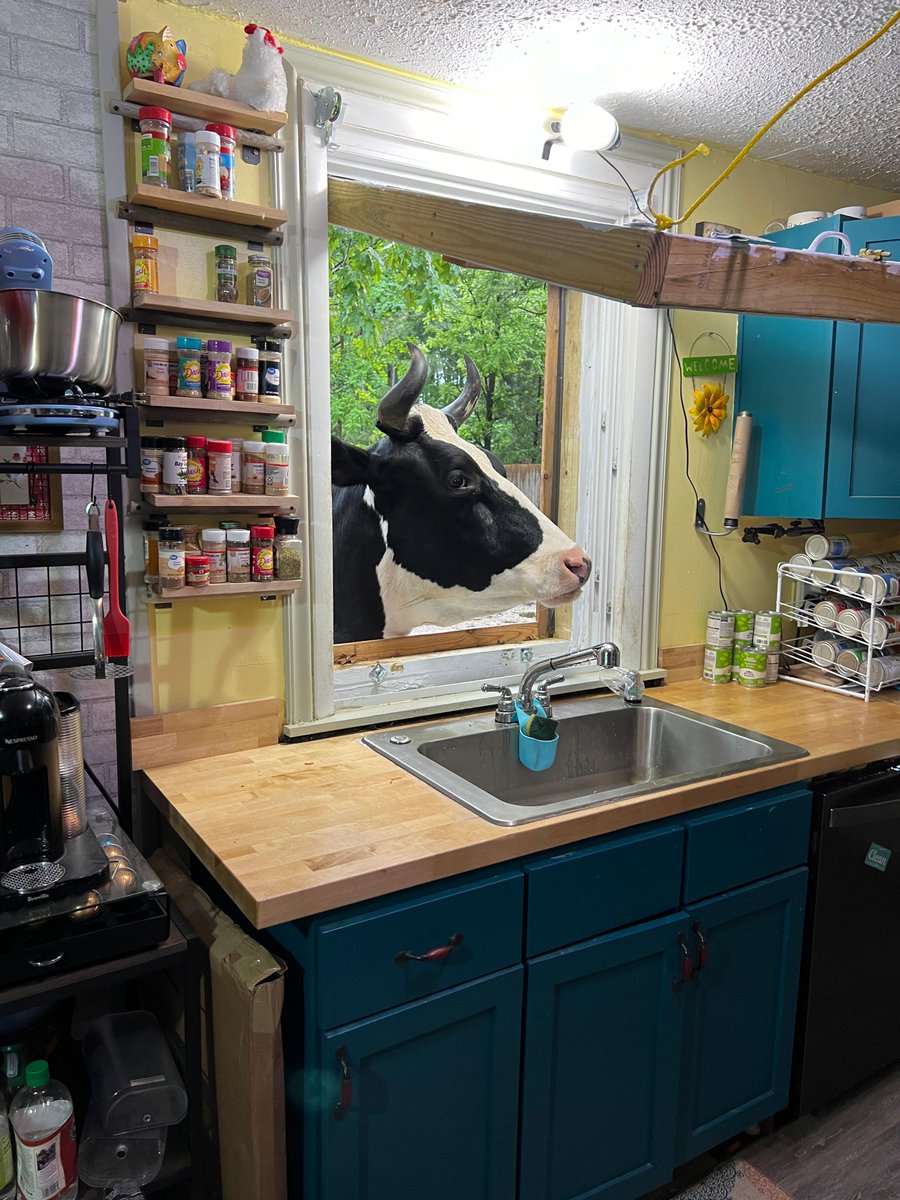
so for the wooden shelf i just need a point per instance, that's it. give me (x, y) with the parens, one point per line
(237, 500)
(205, 108)
(188, 306)
(232, 212)
(217, 409)
(274, 587)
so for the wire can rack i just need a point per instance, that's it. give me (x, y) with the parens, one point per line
(865, 625)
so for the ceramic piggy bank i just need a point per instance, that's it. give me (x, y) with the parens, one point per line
(157, 56)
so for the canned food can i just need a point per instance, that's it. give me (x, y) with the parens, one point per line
(850, 661)
(767, 629)
(821, 546)
(835, 572)
(800, 564)
(743, 624)
(826, 651)
(850, 621)
(717, 658)
(878, 585)
(879, 628)
(713, 676)
(773, 662)
(752, 666)
(883, 670)
(719, 629)
(826, 612)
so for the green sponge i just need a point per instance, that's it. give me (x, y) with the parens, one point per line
(542, 729)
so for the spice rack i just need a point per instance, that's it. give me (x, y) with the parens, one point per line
(265, 591)
(217, 109)
(230, 502)
(221, 410)
(798, 650)
(165, 201)
(153, 307)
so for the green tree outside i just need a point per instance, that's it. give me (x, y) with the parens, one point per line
(385, 294)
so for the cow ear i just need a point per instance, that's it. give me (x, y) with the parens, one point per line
(349, 464)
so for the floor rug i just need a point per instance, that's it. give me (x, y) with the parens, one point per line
(735, 1180)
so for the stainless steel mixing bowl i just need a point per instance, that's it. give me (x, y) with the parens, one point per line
(51, 340)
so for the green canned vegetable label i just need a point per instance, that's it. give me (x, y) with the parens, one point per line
(717, 658)
(743, 621)
(754, 658)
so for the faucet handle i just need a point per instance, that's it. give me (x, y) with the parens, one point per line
(542, 693)
(506, 709)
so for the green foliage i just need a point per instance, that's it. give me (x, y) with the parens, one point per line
(384, 294)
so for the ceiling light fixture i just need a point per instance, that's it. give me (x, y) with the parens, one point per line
(585, 126)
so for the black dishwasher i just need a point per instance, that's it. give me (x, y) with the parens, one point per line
(848, 1019)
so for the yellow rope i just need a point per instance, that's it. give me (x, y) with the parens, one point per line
(664, 222)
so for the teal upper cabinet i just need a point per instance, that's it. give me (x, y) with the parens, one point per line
(825, 399)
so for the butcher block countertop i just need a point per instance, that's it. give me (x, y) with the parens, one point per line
(294, 830)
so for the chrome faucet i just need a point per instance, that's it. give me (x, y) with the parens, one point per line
(627, 684)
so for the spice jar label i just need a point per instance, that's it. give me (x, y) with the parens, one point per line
(143, 276)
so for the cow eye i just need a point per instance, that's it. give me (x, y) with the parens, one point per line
(459, 481)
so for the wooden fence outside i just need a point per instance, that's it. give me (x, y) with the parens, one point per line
(527, 478)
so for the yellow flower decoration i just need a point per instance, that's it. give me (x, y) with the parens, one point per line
(709, 409)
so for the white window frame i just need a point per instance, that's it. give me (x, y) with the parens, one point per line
(401, 132)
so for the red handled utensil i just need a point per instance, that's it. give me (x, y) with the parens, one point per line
(116, 627)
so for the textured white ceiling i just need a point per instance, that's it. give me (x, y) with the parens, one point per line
(711, 70)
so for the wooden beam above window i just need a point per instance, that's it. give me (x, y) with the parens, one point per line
(638, 266)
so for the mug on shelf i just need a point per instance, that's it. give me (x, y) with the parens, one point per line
(851, 210)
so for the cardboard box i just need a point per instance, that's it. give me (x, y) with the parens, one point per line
(247, 987)
(890, 208)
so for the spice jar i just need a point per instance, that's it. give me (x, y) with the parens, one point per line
(189, 367)
(227, 142)
(187, 160)
(156, 366)
(173, 368)
(196, 570)
(151, 551)
(259, 281)
(218, 457)
(174, 472)
(218, 370)
(253, 476)
(269, 370)
(151, 465)
(237, 555)
(208, 182)
(277, 463)
(171, 557)
(262, 565)
(226, 274)
(237, 464)
(246, 385)
(156, 150)
(288, 549)
(145, 271)
(196, 466)
(212, 544)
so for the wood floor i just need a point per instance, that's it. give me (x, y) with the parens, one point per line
(848, 1151)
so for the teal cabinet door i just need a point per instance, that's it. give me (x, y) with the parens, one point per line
(422, 1101)
(602, 1051)
(740, 1007)
(785, 380)
(863, 479)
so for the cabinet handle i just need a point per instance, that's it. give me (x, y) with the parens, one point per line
(346, 1097)
(687, 966)
(432, 955)
(702, 948)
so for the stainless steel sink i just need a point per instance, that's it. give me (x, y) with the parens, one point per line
(607, 751)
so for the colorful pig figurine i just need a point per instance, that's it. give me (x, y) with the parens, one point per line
(157, 56)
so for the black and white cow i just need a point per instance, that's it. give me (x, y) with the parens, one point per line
(428, 529)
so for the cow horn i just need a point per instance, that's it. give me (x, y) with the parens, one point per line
(393, 411)
(465, 402)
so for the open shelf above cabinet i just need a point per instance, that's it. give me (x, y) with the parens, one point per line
(230, 212)
(222, 410)
(215, 590)
(153, 308)
(205, 108)
(230, 503)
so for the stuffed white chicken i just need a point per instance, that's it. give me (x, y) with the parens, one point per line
(260, 80)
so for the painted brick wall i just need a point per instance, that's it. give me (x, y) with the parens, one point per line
(51, 182)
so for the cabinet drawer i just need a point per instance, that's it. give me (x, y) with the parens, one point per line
(745, 841)
(356, 957)
(614, 882)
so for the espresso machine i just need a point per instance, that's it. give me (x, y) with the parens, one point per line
(46, 847)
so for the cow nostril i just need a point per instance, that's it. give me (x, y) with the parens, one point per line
(579, 565)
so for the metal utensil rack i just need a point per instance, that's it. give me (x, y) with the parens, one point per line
(794, 589)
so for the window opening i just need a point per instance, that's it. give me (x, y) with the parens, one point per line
(385, 295)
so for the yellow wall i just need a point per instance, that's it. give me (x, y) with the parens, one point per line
(758, 192)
